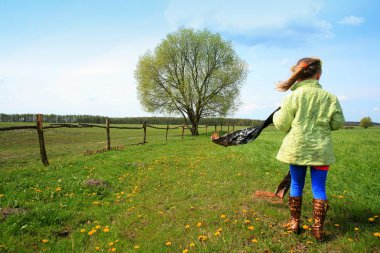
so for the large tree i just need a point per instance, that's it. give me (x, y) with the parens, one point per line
(366, 122)
(193, 73)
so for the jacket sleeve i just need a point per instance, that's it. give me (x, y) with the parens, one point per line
(283, 118)
(337, 118)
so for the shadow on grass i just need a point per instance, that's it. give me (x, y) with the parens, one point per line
(351, 220)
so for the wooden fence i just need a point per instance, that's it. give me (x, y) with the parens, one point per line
(40, 132)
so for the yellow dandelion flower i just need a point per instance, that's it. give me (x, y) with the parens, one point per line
(97, 248)
(139, 216)
(251, 228)
(223, 216)
(254, 240)
(185, 251)
(377, 234)
(44, 240)
(309, 242)
(226, 220)
(337, 225)
(97, 227)
(136, 247)
(199, 224)
(168, 243)
(91, 232)
(217, 233)
(350, 239)
(110, 244)
(202, 238)
(187, 226)
(376, 216)
(305, 227)
(371, 219)
(83, 230)
(58, 189)
(310, 220)
(192, 244)
(113, 250)
(356, 229)
(341, 197)
(106, 229)
(244, 211)
(247, 221)
(96, 203)
(1, 195)
(257, 219)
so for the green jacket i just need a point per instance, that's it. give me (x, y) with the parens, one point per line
(308, 115)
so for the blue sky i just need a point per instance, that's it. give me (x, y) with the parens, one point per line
(79, 57)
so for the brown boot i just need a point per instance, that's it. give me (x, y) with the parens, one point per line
(295, 206)
(320, 208)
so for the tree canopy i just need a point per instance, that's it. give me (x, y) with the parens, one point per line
(366, 122)
(191, 73)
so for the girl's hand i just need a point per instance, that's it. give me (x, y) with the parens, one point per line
(214, 135)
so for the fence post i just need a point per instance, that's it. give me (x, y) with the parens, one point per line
(206, 129)
(228, 128)
(167, 130)
(108, 134)
(221, 127)
(215, 127)
(144, 126)
(183, 130)
(41, 140)
(233, 127)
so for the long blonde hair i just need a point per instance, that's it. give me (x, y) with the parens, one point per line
(304, 69)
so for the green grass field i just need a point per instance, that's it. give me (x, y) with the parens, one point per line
(184, 195)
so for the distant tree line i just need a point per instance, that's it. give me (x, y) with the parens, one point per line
(53, 118)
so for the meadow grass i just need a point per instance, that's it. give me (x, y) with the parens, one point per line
(184, 195)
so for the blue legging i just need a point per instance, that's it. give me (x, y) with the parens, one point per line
(318, 181)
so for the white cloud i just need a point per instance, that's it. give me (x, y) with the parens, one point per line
(352, 20)
(3, 98)
(376, 109)
(240, 14)
(342, 98)
(102, 84)
(252, 22)
(249, 108)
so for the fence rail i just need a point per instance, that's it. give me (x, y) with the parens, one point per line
(39, 127)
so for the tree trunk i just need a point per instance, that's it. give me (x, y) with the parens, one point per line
(194, 128)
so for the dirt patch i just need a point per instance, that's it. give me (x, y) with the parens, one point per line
(96, 182)
(104, 149)
(63, 233)
(267, 196)
(5, 212)
(299, 248)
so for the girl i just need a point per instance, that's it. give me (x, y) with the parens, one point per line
(307, 115)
